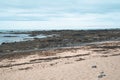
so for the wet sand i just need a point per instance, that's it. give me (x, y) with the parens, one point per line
(98, 61)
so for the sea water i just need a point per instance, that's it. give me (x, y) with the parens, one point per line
(7, 37)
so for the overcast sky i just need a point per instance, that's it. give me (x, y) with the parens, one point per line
(59, 14)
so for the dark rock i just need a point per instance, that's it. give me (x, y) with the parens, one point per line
(94, 66)
(102, 74)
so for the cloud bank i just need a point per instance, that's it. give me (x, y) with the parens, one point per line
(28, 13)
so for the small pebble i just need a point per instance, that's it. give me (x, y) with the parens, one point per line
(94, 66)
(101, 75)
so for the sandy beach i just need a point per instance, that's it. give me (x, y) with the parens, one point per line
(91, 62)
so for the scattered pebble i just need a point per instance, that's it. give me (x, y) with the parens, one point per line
(102, 74)
(94, 66)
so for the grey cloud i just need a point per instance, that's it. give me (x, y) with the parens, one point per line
(56, 8)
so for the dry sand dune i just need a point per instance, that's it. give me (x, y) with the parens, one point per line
(92, 62)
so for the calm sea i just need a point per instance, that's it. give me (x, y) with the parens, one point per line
(7, 36)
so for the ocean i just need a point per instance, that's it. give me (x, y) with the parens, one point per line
(7, 36)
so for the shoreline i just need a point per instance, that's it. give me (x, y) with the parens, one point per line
(90, 62)
(61, 38)
(32, 52)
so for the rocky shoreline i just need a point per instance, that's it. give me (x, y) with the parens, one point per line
(91, 62)
(61, 38)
